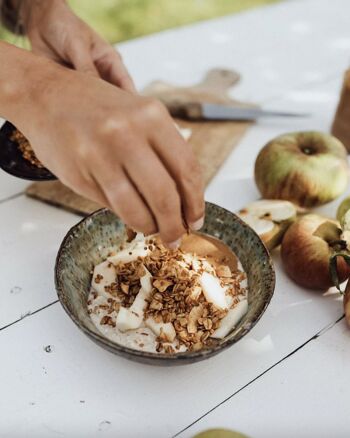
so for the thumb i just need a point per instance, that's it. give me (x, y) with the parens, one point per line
(79, 54)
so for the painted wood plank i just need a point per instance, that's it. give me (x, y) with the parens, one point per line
(304, 396)
(30, 236)
(137, 400)
(79, 389)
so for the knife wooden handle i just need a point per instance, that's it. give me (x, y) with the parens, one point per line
(185, 110)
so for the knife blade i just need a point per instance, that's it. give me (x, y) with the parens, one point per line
(212, 111)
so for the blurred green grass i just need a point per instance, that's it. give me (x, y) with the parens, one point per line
(119, 20)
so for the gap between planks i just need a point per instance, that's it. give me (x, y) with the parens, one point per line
(11, 197)
(313, 338)
(27, 314)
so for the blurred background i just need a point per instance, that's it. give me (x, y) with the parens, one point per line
(119, 20)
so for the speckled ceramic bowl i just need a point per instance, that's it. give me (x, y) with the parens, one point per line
(88, 243)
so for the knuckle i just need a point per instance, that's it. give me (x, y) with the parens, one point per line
(152, 108)
(112, 127)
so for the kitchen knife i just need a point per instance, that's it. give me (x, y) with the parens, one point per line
(212, 111)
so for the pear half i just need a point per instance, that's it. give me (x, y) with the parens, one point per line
(270, 219)
(131, 318)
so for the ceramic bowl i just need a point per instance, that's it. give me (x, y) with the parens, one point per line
(13, 162)
(88, 243)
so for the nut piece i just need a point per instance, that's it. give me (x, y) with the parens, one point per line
(195, 313)
(223, 271)
(98, 278)
(162, 285)
(156, 305)
(125, 288)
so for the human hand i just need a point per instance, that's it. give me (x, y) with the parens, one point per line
(57, 33)
(116, 148)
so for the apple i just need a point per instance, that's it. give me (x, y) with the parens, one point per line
(220, 433)
(308, 168)
(346, 303)
(269, 219)
(307, 247)
(343, 208)
(343, 216)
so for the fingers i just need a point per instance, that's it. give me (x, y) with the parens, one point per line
(85, 187)
(159, 191)
(79, 55)
(178, 158)
(124, 199)
(112, 69)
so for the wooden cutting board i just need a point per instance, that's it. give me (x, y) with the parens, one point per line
(212, 142)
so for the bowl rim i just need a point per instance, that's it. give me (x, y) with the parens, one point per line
(160, 357)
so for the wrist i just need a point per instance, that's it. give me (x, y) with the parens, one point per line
(21, 82)
(31, 11)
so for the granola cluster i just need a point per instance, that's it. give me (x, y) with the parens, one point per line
(25, 147)
(176, 295)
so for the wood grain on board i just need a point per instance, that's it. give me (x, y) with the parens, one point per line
(212, 142)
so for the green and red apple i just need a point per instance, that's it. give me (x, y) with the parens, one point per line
(308, 168)
(307, 247)
(220, 433)
(346, 303)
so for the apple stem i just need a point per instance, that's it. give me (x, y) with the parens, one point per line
(340, 243)
(334, 271)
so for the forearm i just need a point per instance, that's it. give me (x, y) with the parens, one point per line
(21, 75)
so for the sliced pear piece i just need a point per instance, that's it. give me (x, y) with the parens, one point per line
(130, 253)
(146, 281)
(270, 219)
(128, 320)
(160, 328)
(213, 291)
(231, 319)
(131, 318)
(104, 274)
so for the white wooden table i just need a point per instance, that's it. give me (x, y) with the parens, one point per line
(288, 377)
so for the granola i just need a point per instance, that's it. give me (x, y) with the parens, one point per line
(25, 147)
(154, 299)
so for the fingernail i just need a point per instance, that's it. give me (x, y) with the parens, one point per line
(174, 245)
(197, 225)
